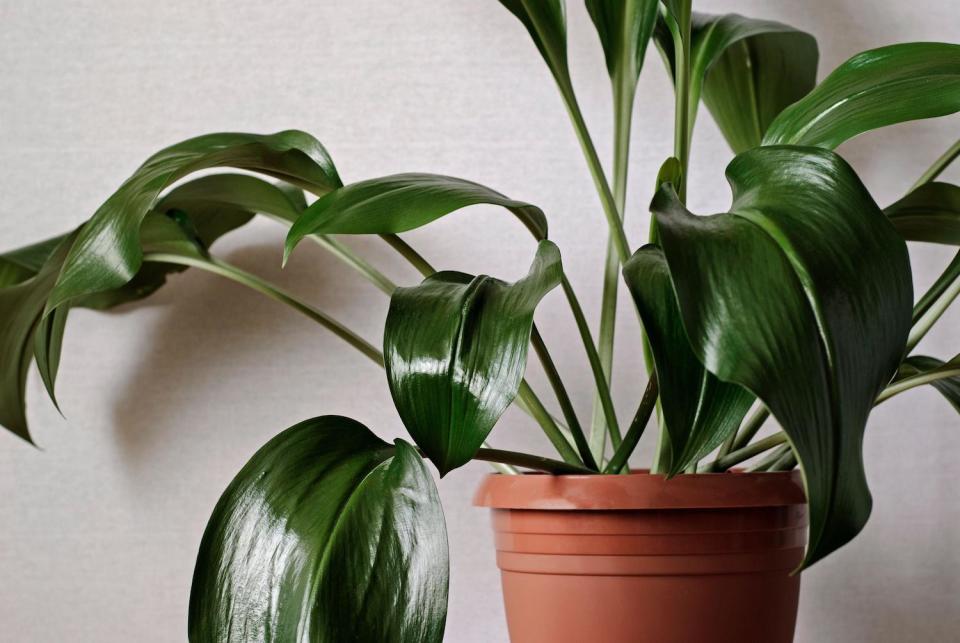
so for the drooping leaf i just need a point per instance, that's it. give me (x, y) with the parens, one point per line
(746, 70)
(327, 534)
(402, 202)
(625, 28)
(699, 410)
(455, 349)
(929, 213)
(21, 308)
(546, 22)
(195, 215)
(802, 294)
(21, 264)
(949, 387)
(876, 88)
(107, 255)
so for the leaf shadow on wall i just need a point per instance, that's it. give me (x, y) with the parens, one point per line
(222, 358)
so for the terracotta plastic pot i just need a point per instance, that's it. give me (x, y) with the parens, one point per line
(637, 558)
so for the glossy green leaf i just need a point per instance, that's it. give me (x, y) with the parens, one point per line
(107, 255)
(746, 70)
(546, 22)
(625, 28)
(802, 294)
(699, 410)
(873, 89)
(402, 202)
(949, 387)
(929, 213)
(455, 349)
(327, 534)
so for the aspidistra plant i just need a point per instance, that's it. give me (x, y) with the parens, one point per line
(796, 303)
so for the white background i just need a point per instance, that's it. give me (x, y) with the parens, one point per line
(166, 400)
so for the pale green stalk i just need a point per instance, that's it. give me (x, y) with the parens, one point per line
(938, 166)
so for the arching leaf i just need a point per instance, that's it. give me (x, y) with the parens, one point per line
(455, 349)
(699, 410)
(327, 534)
(21, 308)
(746, 70)
(929, 213)
(802, 294)
(949, 387)
(402, 202)
(196, 214)
(873, 89)
(106, 254)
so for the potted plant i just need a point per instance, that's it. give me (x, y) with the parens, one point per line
(795, 304)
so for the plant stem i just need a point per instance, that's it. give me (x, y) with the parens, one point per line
(347, 256)
(751, 427)
(935, 302)
(751, 450)
(914, 381)
(607, 202)
(938, 166)
(618, 462)
(603, 390)
(528, 461)
(547, 423)
(623, 95)
(563, 398)
(771, 458)
(786, 462)
(680, 32)
(239, 276)
(412, 256)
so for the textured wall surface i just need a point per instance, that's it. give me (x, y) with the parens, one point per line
(166, 400)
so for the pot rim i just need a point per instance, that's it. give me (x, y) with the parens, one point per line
(640, 490)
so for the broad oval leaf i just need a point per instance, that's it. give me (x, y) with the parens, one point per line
(873, 89)
(746, 70)
(802, 294)
(327, 534)
(929, 213)
(402, 202)
(455, 349)
(699, 411)
(625, 28)
(106, 254)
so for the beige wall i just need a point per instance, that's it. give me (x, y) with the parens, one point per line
(165, 401)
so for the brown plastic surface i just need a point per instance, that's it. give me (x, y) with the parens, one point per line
(637, 559)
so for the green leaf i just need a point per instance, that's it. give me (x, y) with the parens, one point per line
(327, 534)
(402, 202)
(802, 294)
(699, 410)
(19, 265)
(106, 255)
(21, 309)
(949, 387)
(929, 213)
(746, 70)
(455, 349)
(625, 28)
(874, 89)
(546, 22)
